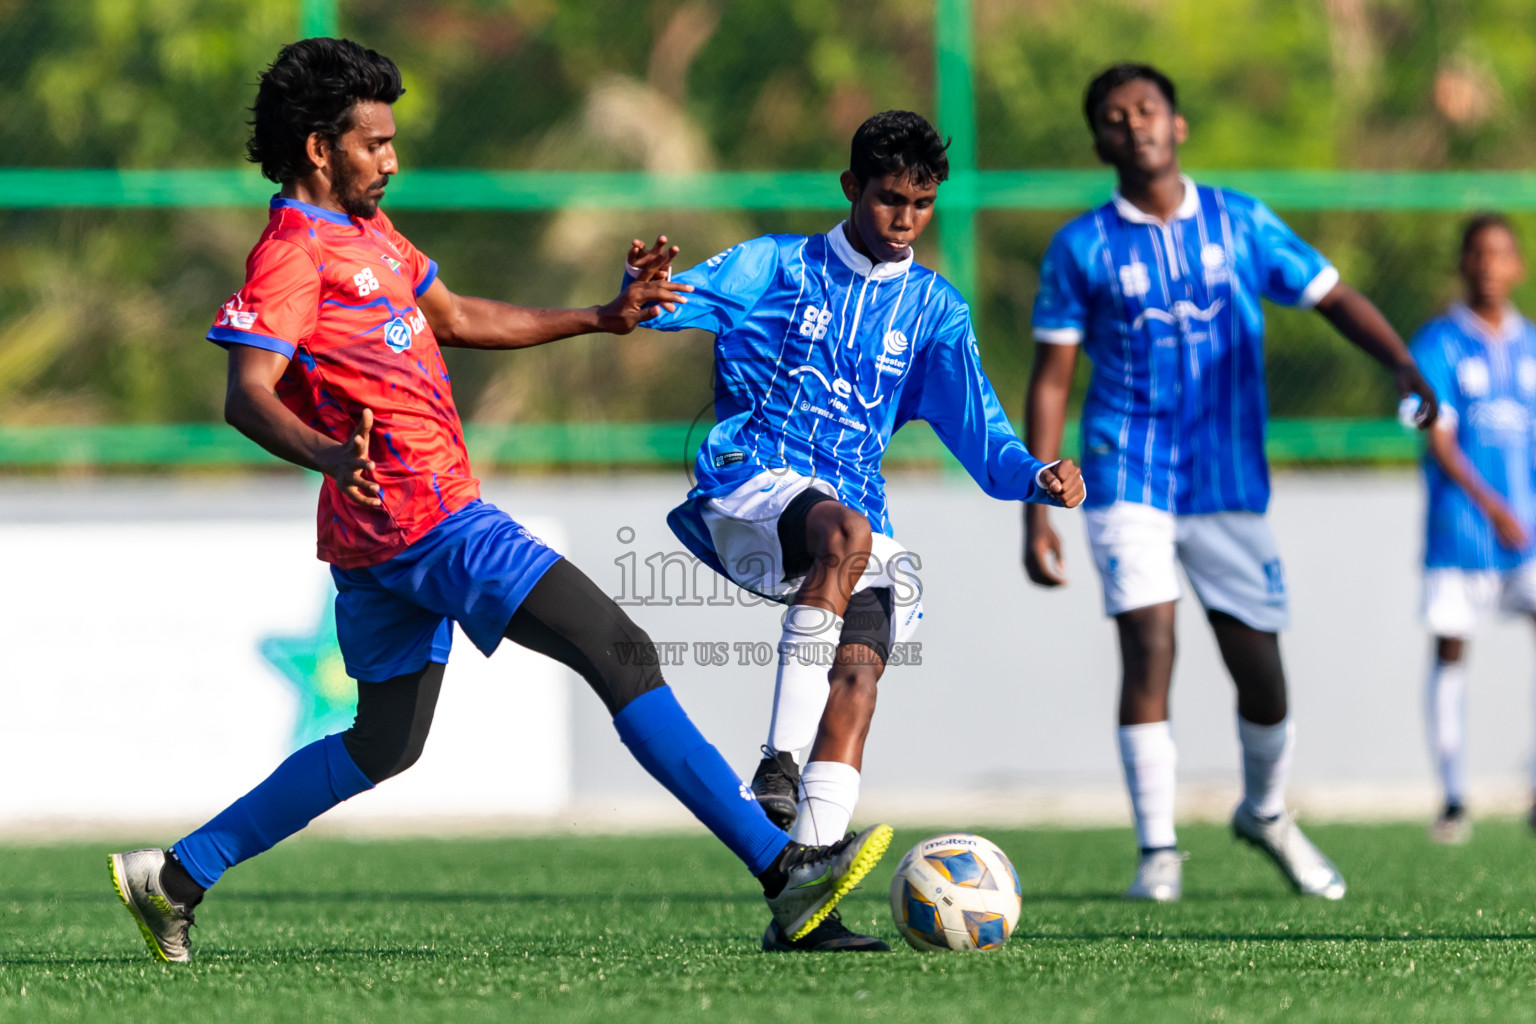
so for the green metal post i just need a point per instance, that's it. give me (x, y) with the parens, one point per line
(957, 118)
(317, 18)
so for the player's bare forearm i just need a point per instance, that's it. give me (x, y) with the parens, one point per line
(252, 407)
(1454, 463)
(487, 324)
(1045, 406)
(1362, 325)
(259, 415)
(463, 321)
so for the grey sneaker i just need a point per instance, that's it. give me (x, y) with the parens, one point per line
(1159, 877)
(136, 877)
(1452, 828)
(776, 784)
(1304, 866)
(820, 876)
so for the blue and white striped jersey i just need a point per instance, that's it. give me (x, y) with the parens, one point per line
(1170, 316)
(820, 356)
(1486, 384)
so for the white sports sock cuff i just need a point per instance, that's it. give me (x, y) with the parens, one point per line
(1263, 739)
(830, 772)
(1136, 741)
(807, 620)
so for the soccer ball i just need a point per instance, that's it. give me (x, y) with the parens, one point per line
(955, 891)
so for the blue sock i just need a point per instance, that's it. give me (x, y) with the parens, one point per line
(312, 781)
(665, 741)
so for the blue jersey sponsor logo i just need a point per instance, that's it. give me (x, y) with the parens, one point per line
(397, 334)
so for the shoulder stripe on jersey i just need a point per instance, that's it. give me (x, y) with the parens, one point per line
(227, 336)
(427, 279)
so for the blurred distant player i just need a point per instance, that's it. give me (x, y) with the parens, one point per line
(1161, 287)
(1480, 469)
(824, 346)
(334, 365)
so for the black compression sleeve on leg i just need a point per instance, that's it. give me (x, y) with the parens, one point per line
(567, 617)
(393, 719)
(793, 542)
(867, 621)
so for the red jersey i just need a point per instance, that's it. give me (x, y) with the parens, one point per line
(337, 295)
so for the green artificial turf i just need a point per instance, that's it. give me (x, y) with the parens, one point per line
(628, 929)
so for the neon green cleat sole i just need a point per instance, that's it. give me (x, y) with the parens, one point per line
(867, 854)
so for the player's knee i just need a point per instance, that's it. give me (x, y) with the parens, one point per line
(1449, 649)
(633, 672)
(846, 534)
(855, 686)
(1147, 642)
(383, 755)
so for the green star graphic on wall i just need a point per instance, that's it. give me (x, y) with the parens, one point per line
(312, 665)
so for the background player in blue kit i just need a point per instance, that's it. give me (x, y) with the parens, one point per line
(1480, 471)
(1162, 287)
(824, 346)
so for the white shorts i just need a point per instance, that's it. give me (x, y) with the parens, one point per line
(1230, 558)
(1456, 600)
(745, 528)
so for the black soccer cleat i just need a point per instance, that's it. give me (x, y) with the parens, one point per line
(776, 784)
(831, 936)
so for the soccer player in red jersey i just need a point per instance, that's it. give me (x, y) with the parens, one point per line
(334, 364)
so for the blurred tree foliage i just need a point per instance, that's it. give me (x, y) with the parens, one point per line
(101, 312)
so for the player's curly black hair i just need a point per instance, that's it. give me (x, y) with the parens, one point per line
(313, 86)
(1112, 78)
(1485, 222)
(895, 142)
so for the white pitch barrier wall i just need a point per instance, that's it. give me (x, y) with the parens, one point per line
(166, 644)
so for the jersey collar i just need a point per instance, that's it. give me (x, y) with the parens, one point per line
(1513, 326)
(861, 264)
(1188, 206)
(310, 210)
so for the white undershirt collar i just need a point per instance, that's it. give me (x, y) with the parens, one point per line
(861, 264)
(1188, 206)
(1509, 330)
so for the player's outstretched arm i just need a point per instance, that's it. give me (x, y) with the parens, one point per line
(252, 407)
(1460, 471)
(1045, 420)
(1357, 318)
(462, 321)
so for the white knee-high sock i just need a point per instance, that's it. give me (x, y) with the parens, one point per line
(800, 692)
(1150, 760)
(1266, 764)
(1446, 704)
(829, 791)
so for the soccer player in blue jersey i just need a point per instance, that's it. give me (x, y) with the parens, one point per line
(1162, 286)
(335, 365)
(825, 345)
(1480, 470)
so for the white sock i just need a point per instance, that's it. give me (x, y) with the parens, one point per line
(1150, 759)
(1446, 703)
(800, 692)
(829, 791)
(1266, 764)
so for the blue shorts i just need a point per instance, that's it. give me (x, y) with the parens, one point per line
(473, 568)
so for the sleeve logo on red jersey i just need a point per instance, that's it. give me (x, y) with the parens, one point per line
(234, 314)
